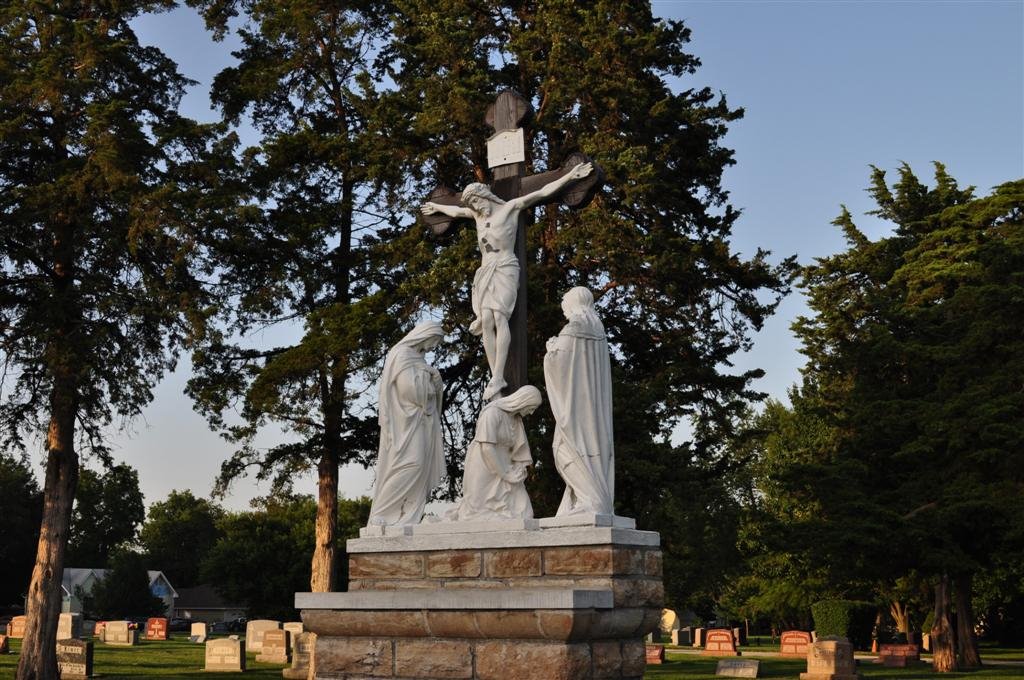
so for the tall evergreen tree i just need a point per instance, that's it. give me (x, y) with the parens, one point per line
(914, 357)
(95, 267)
(299, 248)
(675, 298)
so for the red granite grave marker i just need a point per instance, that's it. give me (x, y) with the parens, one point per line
(17, 627)
(655, 654)
(156, 628)
(795, 643)
(719, 642)
(898, 656)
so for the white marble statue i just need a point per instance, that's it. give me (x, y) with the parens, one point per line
(496, 282)
(410, 459)
(577, 371)
(492, 485)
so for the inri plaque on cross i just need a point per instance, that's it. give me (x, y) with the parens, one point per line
(573, 184)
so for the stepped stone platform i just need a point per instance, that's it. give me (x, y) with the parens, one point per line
(494, 601)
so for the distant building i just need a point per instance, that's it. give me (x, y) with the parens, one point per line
(78, 583)
(203, 603)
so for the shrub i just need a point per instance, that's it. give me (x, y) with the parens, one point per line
(851, 619)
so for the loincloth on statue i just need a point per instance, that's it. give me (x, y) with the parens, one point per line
(495, 285)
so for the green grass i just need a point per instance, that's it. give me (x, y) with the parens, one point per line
(179, 659)
(172, 660)
(693, 667)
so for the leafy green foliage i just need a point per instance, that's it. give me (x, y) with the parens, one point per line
(297, 243)
(106, 517)
(178, 535)
(903, 433)
(262, 556)
(21, 505)
(99, 252)
(845, 618)
(653, 246)
(95, 187)
(124, 590)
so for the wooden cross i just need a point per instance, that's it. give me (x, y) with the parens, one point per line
(509, 180)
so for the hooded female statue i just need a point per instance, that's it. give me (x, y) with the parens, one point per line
(492, 485)
(410, 459)
(577, 371)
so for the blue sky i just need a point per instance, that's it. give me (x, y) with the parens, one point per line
(829, 89)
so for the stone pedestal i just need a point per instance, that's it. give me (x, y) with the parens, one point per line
(830, 659)
(492, 601)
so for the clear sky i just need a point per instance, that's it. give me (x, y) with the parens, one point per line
(829, 89)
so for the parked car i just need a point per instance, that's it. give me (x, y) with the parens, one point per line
(179, 624)
(237, 625)
(219, 627)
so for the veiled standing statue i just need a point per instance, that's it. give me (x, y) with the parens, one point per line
(410, 460)
(577, 371)
(492, 485)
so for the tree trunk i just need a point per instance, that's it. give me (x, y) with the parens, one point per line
(901, 616)
(38, 649)
(322, 575)
(967, 644)
(943, 648)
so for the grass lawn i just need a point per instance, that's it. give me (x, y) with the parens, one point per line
(693, 667)
(181, 659)
(172, 659)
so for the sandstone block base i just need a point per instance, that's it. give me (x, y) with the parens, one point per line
(816, 676)
(502, 602)
(452, 658)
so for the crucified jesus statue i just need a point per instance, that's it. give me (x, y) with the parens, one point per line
(496, 282)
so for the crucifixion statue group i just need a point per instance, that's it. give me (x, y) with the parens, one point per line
(576, 367)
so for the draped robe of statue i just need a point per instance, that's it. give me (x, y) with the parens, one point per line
(492, 484)
(577, 371)
(410, 459)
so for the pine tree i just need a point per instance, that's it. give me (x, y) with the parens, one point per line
(915, 359)
(299, 246)
(677, 302)
(96, 270)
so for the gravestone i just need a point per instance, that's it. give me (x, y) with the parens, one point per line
(156, 628)
(198, 633)
(98, 629)
(899, 656)
(16, 629)
(120, 633)
(698, 637)
(225, 655)
(274, 647)
(254, 631)
(926, 642)
(738, 668)
(5, 647)
(74, 658)
(795, 643)
(294, 627)
(302, 649)
(719, 642)
(830, 659)
(69, 625)
(739, 636)
(681, 637)
(655, 654)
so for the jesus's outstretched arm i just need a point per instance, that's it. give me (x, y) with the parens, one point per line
(429, 208)
(551, 188)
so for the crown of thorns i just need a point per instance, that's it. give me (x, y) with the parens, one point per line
(479, 190)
